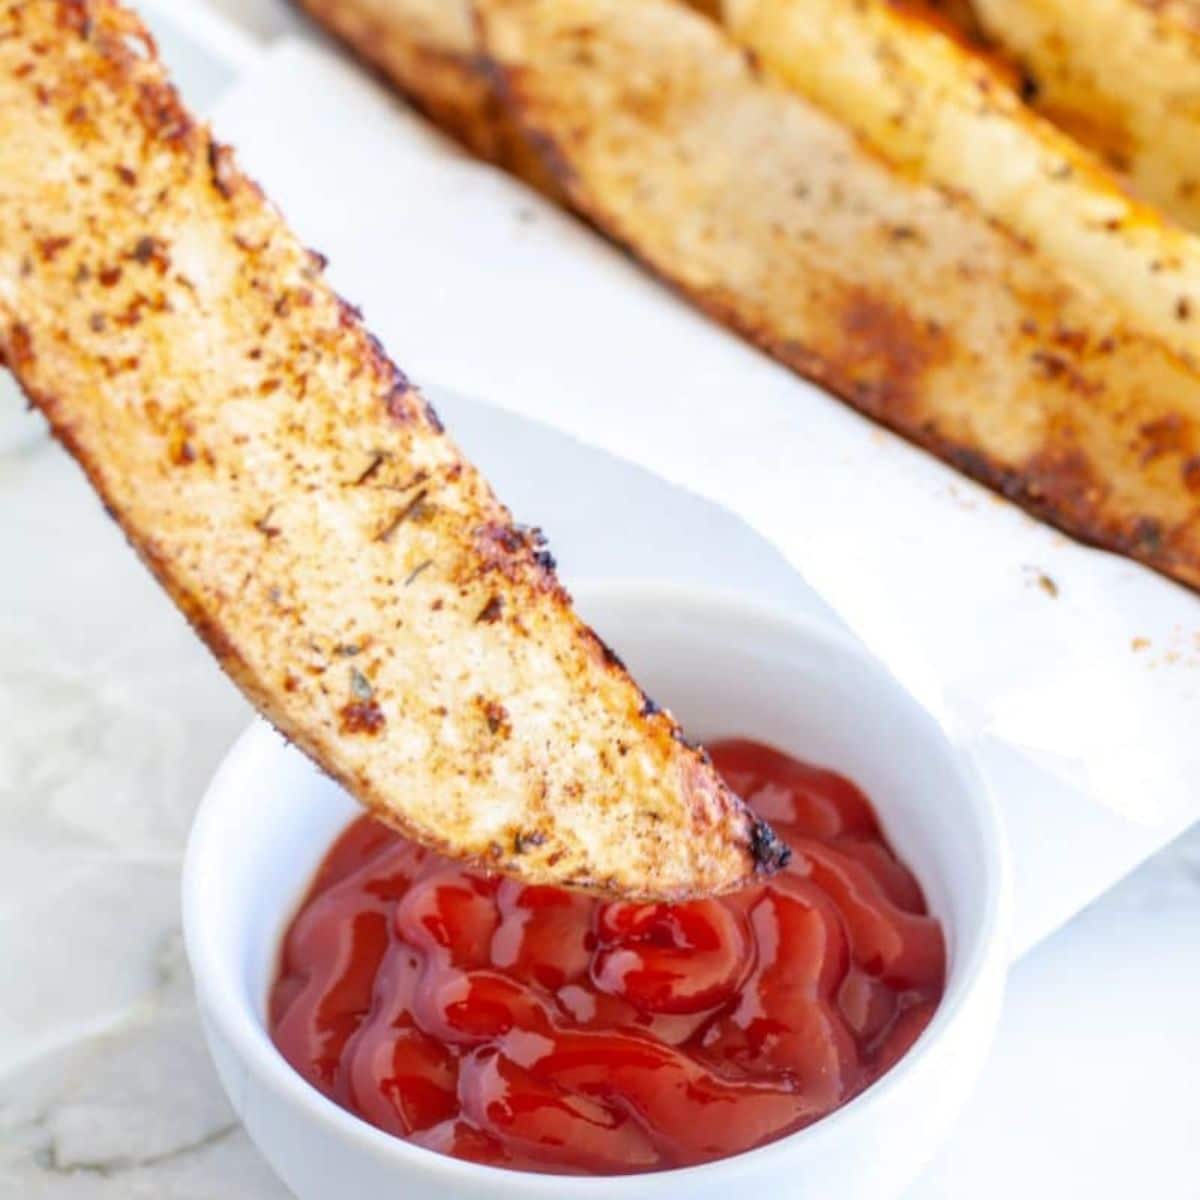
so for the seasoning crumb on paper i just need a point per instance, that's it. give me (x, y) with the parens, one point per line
(1043, 581)
(1181, 649)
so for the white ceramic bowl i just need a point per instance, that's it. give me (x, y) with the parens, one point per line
(726, 668)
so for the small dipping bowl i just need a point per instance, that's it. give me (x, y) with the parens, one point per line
(727, 668)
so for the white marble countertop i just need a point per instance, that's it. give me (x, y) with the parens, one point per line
(112, 719)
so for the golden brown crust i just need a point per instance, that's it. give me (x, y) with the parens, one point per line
(955, 17)
(918, 311)
(299, 501)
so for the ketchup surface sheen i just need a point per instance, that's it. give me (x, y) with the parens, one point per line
(539, 1029)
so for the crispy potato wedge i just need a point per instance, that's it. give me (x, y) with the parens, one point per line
(906, 301)
(300, 502)
(427, 49)
(948, 117)
(1122, 76)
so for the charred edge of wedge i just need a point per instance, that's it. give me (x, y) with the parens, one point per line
(450, 89)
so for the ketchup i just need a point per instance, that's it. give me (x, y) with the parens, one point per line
(540, 1029)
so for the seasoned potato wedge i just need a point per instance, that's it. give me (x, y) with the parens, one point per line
(945, 115)
(300, 502)
(1122, 76)
(919, 310)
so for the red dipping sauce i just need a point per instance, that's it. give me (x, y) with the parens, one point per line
(534, 1028)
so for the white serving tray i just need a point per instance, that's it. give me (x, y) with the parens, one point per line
(1067, 847)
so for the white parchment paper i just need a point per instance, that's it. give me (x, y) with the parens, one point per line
(1074, 675)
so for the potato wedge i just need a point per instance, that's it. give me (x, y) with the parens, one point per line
(1121, 76)
(300, 502)
(427, 49)
(917, 309)
(948, 117)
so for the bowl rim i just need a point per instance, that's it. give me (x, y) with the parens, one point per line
(232, 1010)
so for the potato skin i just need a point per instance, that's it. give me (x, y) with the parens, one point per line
(300, 502)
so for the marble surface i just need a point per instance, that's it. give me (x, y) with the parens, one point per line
(111, 720)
